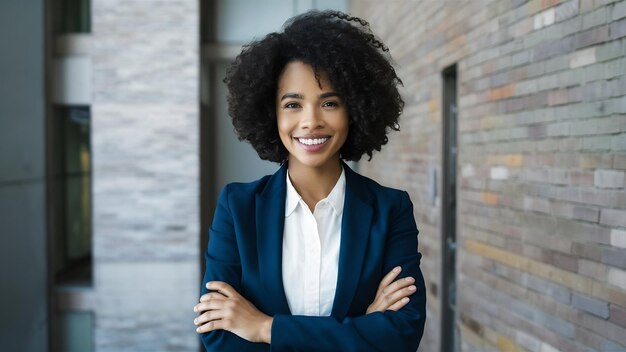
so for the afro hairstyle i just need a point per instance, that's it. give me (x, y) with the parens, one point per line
(357, 64)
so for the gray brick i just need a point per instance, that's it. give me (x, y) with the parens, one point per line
(555, 291)
(565, 262)
(602, 89)
(619, 161)
(558, 129)
(614, 257)
(575, 94)
(613, 124)
(586, 213)
(566, 10)
(557, 325)
(590, 305)
(557, 64)
(610, 346)
(613, 217)
(520, 58)
(609, 51)
(584, 128)
(571, 26)
(611, 70)
(595, 18)
(536, 69)
(592, 269)
(618, 142)
(618, 29)
(592, 36)
(618, 11)
(563, 46)
(597, 143)
(586, 6)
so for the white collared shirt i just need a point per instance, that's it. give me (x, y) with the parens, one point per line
(311, 250)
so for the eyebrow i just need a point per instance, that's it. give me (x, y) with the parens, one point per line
(300, 96)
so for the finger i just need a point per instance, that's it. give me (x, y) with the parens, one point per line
(399, 294)
(388, 279)
(398, 285)
(208, 305)
(211, 295)
(209, 316)
(211, 326)
(222, 288)
(401, 303)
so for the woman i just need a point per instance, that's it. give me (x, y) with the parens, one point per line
(297, 260)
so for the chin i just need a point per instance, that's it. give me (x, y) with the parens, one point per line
(316, 162)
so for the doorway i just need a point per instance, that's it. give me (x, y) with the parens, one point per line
(449, 313)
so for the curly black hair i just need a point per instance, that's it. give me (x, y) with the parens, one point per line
(357, 64)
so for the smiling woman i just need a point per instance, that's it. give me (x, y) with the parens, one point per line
(315, 257)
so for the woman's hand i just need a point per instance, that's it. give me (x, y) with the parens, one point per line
(226, 309)
(392, 295)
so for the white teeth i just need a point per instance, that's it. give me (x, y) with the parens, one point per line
(312, 141)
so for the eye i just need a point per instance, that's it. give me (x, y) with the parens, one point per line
(292, 105)
(330, 104)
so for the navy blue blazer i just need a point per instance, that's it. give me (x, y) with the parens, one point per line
(378, 232)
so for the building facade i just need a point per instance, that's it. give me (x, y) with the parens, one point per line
(513, 148)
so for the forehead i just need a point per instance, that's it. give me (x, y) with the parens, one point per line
(299, 76)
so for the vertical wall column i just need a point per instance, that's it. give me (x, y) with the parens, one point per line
(145, 174)
(23, 252)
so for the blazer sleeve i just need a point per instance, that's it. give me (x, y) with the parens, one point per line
(223, 264)
(389, 331)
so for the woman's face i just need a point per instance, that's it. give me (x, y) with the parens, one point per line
(312, 120)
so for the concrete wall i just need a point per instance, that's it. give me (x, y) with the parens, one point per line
(23, 253)
(542, 160)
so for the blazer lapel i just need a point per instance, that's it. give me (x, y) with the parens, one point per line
(355, 231)
(270, 219)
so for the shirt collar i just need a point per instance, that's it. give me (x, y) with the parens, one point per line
(335, 198)
(293, 198)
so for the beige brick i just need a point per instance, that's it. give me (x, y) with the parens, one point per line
(514, 159)
(489, 198)
(506, 344)
(592, 269)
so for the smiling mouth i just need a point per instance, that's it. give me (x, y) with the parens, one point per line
(313, 141)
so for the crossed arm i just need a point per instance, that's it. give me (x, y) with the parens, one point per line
(392, 322)
(226, 309)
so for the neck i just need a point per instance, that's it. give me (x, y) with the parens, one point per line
(314, 183)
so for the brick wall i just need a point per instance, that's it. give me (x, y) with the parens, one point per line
(145, 175)
(542, 160)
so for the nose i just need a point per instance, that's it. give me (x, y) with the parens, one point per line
(312, 119)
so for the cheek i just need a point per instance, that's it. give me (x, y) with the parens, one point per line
(284, 129)
(344, 124)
